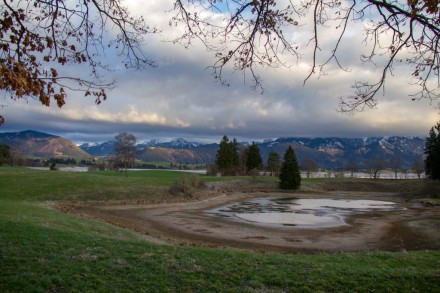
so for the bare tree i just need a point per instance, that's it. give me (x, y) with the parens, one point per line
(252, 35)
(309, 166)
(417, 167)
(125, 150)
(39, 37)
(374, 165)
(352, 167)
(396, 165)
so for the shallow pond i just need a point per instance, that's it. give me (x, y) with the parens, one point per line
(301, 213)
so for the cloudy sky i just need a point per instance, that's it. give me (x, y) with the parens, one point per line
(180, 98)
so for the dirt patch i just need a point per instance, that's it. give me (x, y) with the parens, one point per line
(188, 223)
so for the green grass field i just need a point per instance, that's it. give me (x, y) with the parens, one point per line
(45, 250)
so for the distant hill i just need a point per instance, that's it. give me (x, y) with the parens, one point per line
(99, 149)
(330, 152)
(337, 152)
(201, 154)
(42, 145)
(175, 143)
(106, 148)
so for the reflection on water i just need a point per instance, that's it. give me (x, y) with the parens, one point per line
(303, 213)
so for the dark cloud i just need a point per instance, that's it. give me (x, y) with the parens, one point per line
(181, 99)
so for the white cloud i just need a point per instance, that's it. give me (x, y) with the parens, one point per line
(180, 98)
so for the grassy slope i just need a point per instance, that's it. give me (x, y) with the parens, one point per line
(43, 250)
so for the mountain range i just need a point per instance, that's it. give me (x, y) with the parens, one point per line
(42, 145)
(330, 152)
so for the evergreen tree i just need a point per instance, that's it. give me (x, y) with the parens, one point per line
(290, 177)
(432, 151)
(253, 158)
(5, 154)
(234, 153)
(223, 158)
(227, 159)
(273, 163)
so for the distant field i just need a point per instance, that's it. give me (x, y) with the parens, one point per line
(45, 250)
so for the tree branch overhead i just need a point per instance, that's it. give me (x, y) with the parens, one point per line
(39, 38)
(253, 38)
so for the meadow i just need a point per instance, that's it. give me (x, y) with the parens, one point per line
(45, 250)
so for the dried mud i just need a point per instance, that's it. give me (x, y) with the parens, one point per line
(415, 228)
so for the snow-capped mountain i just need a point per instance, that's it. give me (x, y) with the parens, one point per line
(175, 143)
(99, 149)
(328, 152)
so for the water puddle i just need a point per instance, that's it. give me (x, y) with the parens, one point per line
(302, 213)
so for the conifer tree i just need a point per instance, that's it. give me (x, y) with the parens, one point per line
(290, 177)
(432, 151)
(227, 158)
(273, 163)
(234, 153)
(253, 158)
(223, 158)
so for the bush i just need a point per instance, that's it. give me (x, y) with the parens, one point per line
(254, 173)
(212, 170)
(186, 185)
(97, 167)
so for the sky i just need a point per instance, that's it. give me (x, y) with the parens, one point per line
(180, 98)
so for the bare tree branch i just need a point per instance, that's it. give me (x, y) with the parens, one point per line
(406, 31)
(39, 37)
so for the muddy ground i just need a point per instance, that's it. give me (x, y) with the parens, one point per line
(415, 228)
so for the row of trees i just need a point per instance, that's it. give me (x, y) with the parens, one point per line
(232, 160)
(229, 162)
(373, 167)
(71, 161)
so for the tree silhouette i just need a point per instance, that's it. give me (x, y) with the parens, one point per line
(253, 158)
(432, 151)
(227, 159)
(290, 177)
